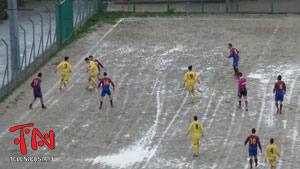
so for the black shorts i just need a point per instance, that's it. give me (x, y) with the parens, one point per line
(243, 92)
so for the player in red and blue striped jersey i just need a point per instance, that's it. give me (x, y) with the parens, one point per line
(105, 83)
(280, 90)
(253, 140)
(37, 93)
(99, 65)
(234, 53)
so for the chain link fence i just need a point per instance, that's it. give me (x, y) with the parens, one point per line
(39, 35)
(214, 6)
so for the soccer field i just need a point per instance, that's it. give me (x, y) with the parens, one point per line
(147, 59)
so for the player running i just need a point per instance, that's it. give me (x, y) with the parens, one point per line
(197, 130)
(66, 69)
(37, 93)
(253, 140)
(190, 78)
(280, 90)
(105, 83)
(93, 67)
(98, 66)
(242, 90)
(271, 153)
(234, 53)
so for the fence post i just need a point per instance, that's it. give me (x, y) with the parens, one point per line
(25, 48)
(50, 27)
(33, 41)
(237, 6)
(42, 34)
(202, 6)
(272, 6)
(133, 5)
(168, 5)
(100, 5)
(7, 61)
(227, 5)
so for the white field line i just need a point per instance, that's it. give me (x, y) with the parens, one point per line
(199, 19)
(227, 136)
(270, 39)
(77, 64)
(166, 130)
(295, 131)
(208, 107)
(263, 105)
(281, 155)
(292, 88)
(215, 111)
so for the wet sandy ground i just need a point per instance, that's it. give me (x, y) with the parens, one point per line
(147, 59)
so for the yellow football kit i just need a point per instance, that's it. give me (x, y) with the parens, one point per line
(190, 78)
(271, 153)
(93, 67)
(197, 129)
(66, 69)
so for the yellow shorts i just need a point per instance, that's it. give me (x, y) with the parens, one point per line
(272, 162)
(191, 87)
(94, 74)
(64, 76)
(196, 138)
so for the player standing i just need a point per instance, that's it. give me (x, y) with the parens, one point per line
(280, 90)
(242, 90)
(93, 75)
(253, 140)
(105, 83)
(190, 78)
(98, 66)
(66, 69)
(197, 130)
(271, 153)
(234, 53)
(37, 93)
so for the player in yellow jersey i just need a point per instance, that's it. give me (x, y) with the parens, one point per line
(66, 68)
(271, 153)
(190, 78)
(197, 130)
(93, 67)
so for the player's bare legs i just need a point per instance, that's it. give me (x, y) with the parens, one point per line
(281, 105)
(42, 102)
(276, 103)
(250, 161)
(246, 102)
(101, 102)
(111, 101)
(30, 106)
(61, 83)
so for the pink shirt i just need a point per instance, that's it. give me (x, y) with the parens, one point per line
(242, 83)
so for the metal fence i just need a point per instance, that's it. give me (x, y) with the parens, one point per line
(238, 6)
(39, 40)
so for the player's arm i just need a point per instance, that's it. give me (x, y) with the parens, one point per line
(189, 129)
(230, 54)
(275, 86)
(277, 151)
(112, 83)
(70, 68)
(266, 154)
(185, 79)
(101, 65)
(202, 130)
(197, 78)
(32, 83)
(99, 85)
(246, 141)
(58, 67)
(259, 145)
